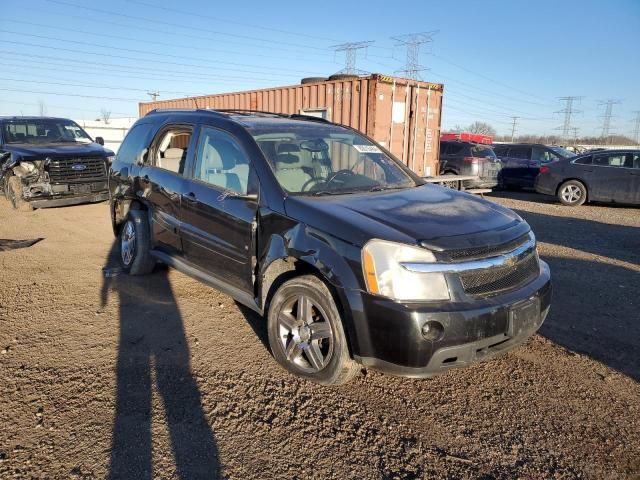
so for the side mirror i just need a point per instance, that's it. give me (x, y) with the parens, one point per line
(100, 141)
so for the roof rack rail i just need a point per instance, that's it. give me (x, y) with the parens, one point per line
(238, 111)
(181, 110)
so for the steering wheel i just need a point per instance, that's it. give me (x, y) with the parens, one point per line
(335, 175)
(309, 184)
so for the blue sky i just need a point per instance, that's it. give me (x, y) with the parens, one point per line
(496, 58)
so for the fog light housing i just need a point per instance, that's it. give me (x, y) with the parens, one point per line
(432, 331)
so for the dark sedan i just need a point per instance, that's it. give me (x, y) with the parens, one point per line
(602, 176)
(521, 163)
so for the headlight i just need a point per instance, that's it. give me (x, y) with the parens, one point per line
(384, 275)
(110, 159)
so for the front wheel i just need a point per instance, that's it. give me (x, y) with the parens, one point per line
(135, 245)
(572, 193)
(306, 335)
(14, 193)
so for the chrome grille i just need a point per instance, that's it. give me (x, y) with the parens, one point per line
(63, 170)
(492, 281)
(487, 251)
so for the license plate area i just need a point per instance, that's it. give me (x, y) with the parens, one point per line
(523, 317)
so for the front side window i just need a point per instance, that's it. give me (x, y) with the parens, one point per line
(43, 131)
(543, 155)
(221, 162)
(584, 160)
(171, 149)
(482, 151)
(327, 159)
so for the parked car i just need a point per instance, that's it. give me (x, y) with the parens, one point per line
(521, 162)
(468, 158)
(601, 176)
(50, 162)
(352, 258)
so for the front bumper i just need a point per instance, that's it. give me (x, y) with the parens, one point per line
(67, 200)
(388, 334)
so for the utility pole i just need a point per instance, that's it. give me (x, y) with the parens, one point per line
(513, 128)
(568, 112)
(606, 122)
(154, 95)
(413, 42)
(350, 49)
(636, 127)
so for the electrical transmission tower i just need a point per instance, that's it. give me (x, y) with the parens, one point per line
(606, 118)
(513, 127)
(154, 95)
(350, 49)
(568, 112)
(413, 42)
(636, 127)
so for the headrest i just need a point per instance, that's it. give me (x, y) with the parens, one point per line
(220, 154)
(173, 153)
(288, 148)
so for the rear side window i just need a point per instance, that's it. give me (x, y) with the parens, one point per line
(520, 152)
(584, 160)
(134, 143)
(636, 161)
(443, 148)
(455, 148)
(499, 150)
(614, 160)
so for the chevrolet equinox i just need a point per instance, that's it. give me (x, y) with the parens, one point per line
(351, 257)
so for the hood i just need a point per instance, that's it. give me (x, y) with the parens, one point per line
(23, 150)
(438, 217)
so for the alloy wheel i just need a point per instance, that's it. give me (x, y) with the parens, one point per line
(571, 194)
(305, 334)
(128, 243)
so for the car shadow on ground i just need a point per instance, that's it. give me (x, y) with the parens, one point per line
(152, 345)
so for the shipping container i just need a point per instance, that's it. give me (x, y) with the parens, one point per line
(403, 115)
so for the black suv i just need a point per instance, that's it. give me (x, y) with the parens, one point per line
(50, 162)
(468, 158)
(352, 258)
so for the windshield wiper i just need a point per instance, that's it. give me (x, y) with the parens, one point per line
(381, 188)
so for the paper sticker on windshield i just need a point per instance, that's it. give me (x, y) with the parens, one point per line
(367, 149)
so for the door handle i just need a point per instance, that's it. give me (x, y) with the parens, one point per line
(190, 197)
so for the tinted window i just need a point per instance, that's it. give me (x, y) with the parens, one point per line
(500, 150)
(221, 162)
(584, 160)
(520, 152)
(543, 155)
(482, 151)
(612, 160)
(134, 143)
(443, 148)
(636, 160)
(455, 148)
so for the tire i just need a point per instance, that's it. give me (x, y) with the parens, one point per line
(343, 76)
(325, 359)
(306, 80)
(572, 193)
(134, 244)
(14, 193)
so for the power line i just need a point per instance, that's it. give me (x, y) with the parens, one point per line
(412, 42)
(608, 114)
(568, 112)
(350, 50)
(69, 95)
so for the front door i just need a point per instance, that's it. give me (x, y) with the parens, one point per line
(516, 168)
(610, 179)
(218, 218)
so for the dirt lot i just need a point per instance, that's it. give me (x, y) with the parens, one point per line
(162, 377)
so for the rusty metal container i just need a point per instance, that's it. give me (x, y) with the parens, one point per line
(402, 115)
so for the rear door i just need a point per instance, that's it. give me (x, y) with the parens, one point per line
(218, 222)
(515, 170)
(610, 178)
(162, 184)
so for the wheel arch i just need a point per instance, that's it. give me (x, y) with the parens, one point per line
(120, 208)
(575, 179)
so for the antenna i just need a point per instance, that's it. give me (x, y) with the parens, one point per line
(606, 122)
(413, 41)
(350, 50)
(568, 112)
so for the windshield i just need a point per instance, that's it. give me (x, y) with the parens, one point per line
(327, 159)
(43, 131)
(563, 152)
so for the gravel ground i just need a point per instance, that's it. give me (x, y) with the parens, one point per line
(162, 377)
